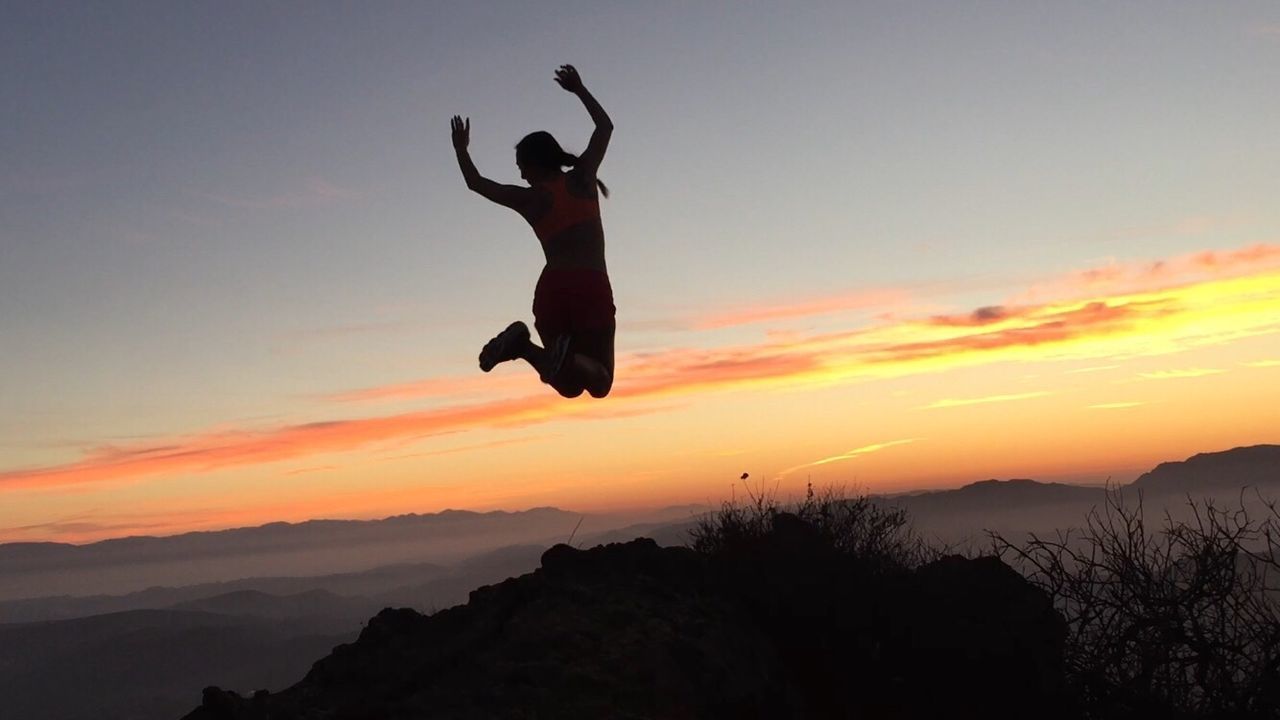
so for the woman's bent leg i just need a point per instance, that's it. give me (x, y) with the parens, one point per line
(591, 364)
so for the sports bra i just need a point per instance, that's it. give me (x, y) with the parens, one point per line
(566, 210)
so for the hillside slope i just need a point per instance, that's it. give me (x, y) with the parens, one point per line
(786, 629)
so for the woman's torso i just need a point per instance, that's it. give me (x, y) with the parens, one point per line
(566, 220)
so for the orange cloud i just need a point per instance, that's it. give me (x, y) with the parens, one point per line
(313, 469)
(1112, 278)
(1031, 326)
(470, 448)
(982, 316)
(691, 370)
(218, 450)
(819, 306)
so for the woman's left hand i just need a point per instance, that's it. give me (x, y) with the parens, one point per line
(567, 76)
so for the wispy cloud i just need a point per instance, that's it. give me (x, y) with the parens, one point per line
(1115, 405)
(312, 469)
(856, 452)
(48, 180)
(961, 402)
(315, 192)
(1034, 326)
(1265, 31)
(73, 529)
(1263, 363)
(1188, 225)
(1132, 277)
(471, 448)
(880, 298)
(437, 387)
(1178, 374)
(1092, 369)
(96, 525)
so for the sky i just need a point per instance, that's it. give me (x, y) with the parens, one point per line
(883, 246)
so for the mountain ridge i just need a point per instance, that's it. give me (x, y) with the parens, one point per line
(275, 525)
(1200, 463)
(774, 632)
(1250, 465)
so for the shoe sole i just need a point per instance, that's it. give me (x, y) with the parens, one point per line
(515, 331)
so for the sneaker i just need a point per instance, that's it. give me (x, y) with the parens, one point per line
(505, 346)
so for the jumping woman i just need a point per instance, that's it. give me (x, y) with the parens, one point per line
(573, 304)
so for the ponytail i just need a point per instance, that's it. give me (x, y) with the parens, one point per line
(540, 149)
(568, 159)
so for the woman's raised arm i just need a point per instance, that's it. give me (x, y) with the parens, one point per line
(512, 196)
(590, 158)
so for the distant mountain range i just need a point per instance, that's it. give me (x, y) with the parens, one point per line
(308, 548)
(324, 547)
(312, 604)
(147, 653)
(954, 516)
(1258, 465)
(609, 631)
(294, 549)
(1014, 507)
(147, 663)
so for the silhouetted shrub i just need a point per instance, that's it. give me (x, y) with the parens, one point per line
(1183, 621)
(879, 536)
(867, 620)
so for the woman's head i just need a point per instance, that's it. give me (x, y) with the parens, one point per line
(540, 152)
(538, 155)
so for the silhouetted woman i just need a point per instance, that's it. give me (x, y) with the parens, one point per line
(573, 304)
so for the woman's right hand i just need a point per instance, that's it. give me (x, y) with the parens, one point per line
(461, 132)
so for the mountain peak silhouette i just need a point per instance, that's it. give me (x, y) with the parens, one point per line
(635, 630)
(1227, 470)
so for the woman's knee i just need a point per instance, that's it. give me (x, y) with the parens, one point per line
(569, 391)
(601, 390)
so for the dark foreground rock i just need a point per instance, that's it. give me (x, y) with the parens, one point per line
(788, 629)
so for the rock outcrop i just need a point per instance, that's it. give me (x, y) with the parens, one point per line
(784, 629)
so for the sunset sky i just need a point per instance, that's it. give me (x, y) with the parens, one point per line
(895, 246)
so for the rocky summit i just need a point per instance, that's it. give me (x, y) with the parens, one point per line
(786, 628)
